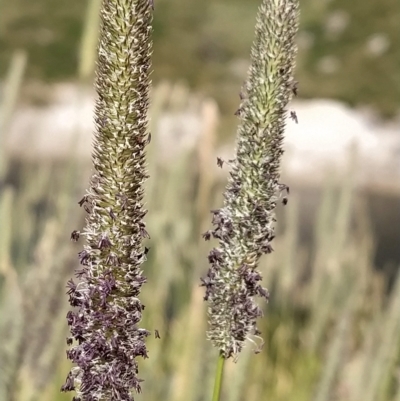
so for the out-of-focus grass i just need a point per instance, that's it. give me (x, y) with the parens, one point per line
(330, 331)
(10, 94)
(349, 50)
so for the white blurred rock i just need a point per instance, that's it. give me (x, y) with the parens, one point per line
(63, 126)
(325, 135)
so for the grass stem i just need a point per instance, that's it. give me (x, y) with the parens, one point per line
(218, 378)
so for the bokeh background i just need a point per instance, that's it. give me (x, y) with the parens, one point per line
(332, 327)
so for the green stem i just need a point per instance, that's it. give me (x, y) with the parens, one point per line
(218, 378)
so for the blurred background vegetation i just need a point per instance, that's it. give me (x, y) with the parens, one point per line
(348, 49)
(332, 327)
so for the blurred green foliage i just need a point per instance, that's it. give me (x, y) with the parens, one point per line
(349, 50)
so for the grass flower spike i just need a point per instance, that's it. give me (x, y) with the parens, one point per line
(244, 226)
(105, 338)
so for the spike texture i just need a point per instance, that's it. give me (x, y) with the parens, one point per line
(244, 226)
(105, 338)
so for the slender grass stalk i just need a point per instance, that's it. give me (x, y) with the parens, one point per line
(7, 198)
(218, 377)
(331, 261)
(245, 225)
(210, 118)
(334, 360)
(387, 351)
(12, 87)
(105, 338)
(159, 98)
(87, 50)
(11, 300)
(188, 344)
